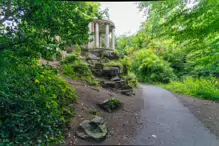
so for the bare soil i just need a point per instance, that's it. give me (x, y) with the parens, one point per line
(121, 123)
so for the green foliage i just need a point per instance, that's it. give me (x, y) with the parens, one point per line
(127, 65)
(113, 63)
(35, 102)
(133, 82)
(191, 31)
(114, 103)
(150, 68)
(203, 88)
(77, 69)
(40, 21)
(78, 50)
(123, 44)
(181, 40)
(70, 59)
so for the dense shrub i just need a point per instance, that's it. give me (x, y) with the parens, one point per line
(150, 68)
(203, 88)
(35, 103)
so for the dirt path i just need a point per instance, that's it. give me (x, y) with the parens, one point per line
(121, 124)
(154, 117)
(167, 122)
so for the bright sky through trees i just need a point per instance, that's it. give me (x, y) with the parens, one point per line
(125, 15)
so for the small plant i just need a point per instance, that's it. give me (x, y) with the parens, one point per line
(110, 105)
(94, 113)
(114, 103)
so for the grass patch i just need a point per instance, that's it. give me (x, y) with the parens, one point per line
(201, 88)
(113, 63)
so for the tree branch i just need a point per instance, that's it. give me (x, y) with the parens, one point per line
(7, 13)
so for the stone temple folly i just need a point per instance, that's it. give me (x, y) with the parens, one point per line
(100, 51)
(104, 34)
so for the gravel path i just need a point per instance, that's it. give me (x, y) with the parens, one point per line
(165, 121)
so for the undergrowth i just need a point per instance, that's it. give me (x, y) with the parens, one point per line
(35, 102)
(149, 68)
(133, 82)
(78, 70)
(202, 88)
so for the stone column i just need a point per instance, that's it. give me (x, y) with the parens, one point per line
(113, 38)
(107, 36)
(97, 39)
(100, 41)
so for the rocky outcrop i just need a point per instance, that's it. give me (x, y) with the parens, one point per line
(94, 129)
(120, 86)
(92, 57)
(106, 55)
(110, 72)
(112, 75)
(110, 55)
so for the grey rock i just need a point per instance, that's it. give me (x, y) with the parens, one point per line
(105, 105)
(110, 55)
(94, 129)
(97, 52)
(92, 57)
(120, 84)
(128, 92)
(116, 78)
(97, 72)
(110, 72)
(99, 66)
(105, 60)
(108, 84)
(119, 67)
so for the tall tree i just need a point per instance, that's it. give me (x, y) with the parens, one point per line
(34, 23)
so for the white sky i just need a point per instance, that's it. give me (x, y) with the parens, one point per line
(125, 15)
